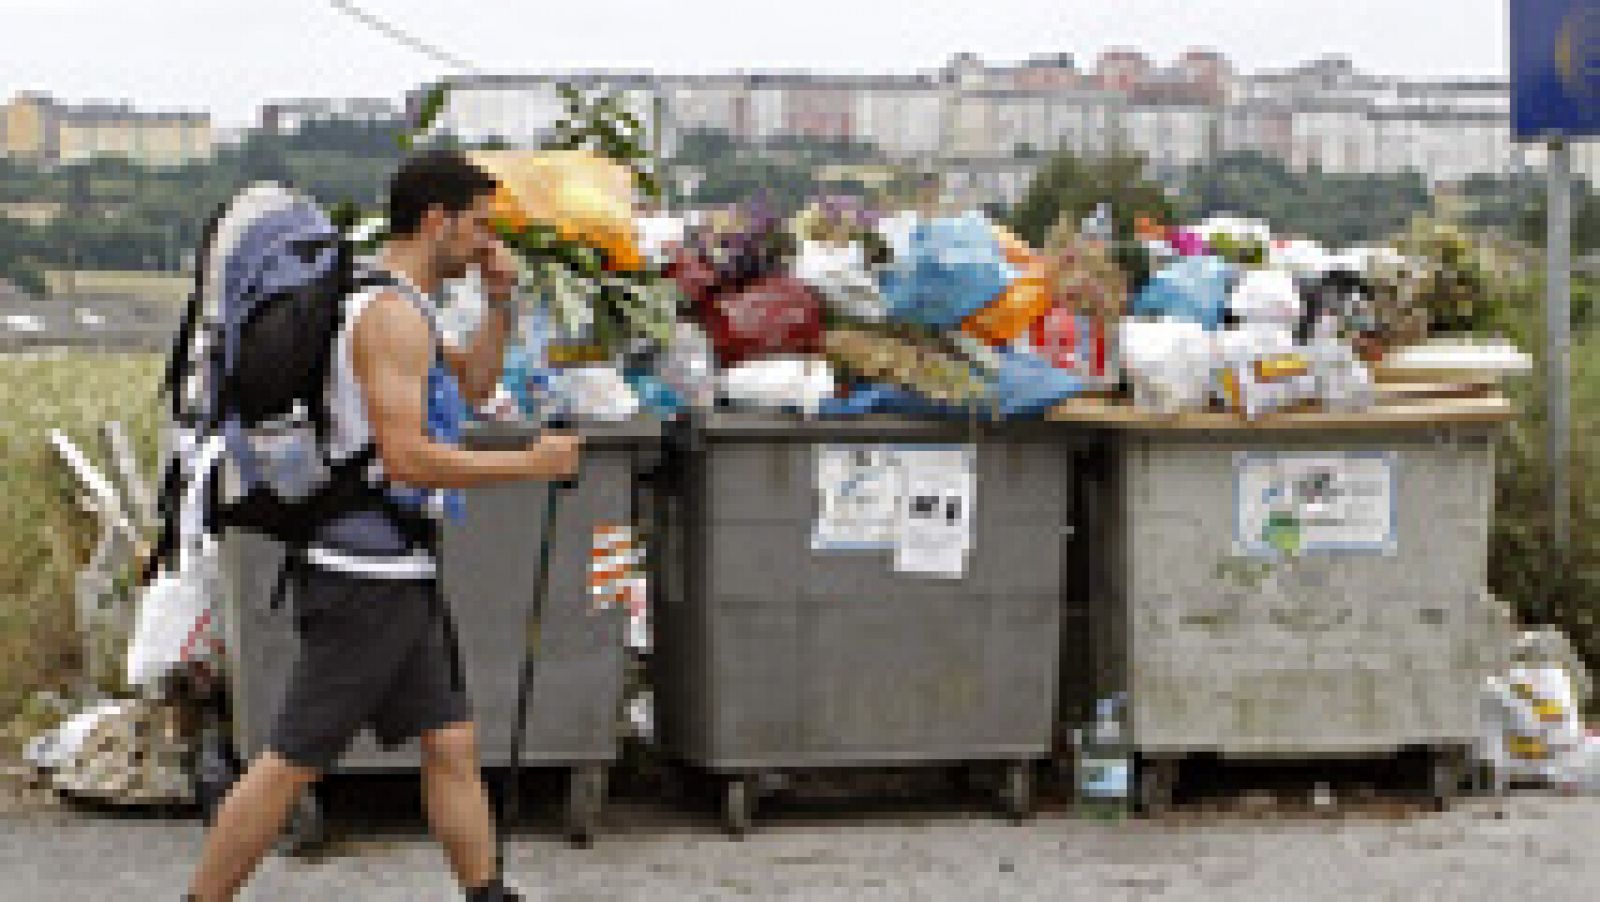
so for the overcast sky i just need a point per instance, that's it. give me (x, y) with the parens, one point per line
(228, 56)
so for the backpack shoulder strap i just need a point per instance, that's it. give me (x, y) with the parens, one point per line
(377, 276)
(180, 364)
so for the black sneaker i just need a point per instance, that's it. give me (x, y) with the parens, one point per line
(493, 891)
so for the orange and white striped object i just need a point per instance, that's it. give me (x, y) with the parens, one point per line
(617, 575)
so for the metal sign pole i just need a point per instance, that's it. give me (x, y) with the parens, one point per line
(1558, 314)
(1554, 85)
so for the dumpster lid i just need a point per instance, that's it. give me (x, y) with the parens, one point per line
(766, 425)
(638, 431)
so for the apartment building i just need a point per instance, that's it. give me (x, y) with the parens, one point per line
(980, 119)
(522, 110)
(42, 130)
(290, 115)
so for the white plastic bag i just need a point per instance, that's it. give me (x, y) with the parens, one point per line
(1266, 296)
(838, 272)
(1344, 382)
(1249, 355)
(780, 382)
(1531, 726)
(689, 368)
(176, 622)
(56, 747)
(597, 393)
(658, 233)
(1169, 362)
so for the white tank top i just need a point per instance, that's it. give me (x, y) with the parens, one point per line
(349, 432)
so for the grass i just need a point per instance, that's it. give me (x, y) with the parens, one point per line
(46, 539)
(1523, 569)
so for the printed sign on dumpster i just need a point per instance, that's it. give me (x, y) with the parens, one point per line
(934, 529)
(858, 487)
(915, 500)
(1297, 503)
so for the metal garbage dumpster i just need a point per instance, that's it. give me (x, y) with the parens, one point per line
(489, 562)
(792, 637)
(1313, 584)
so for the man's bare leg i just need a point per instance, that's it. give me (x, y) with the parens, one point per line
(249, 821)
(457, 803)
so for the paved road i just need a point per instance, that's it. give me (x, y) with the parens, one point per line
(1528, 847)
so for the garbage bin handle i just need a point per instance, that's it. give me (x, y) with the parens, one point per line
(562, 423)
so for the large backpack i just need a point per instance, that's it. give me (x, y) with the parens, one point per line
(248, 378)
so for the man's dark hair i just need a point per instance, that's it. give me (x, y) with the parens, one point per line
(437, 178)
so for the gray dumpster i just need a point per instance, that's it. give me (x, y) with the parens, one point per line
(772, 656)
(489, 562)
(1278, 592)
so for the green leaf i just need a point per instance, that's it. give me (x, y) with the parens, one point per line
(432, 105)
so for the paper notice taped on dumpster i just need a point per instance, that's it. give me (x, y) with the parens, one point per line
(858, 487)
(934, 514)
(915, 500)
(1296, 503)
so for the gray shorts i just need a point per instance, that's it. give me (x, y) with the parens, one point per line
(373, 652)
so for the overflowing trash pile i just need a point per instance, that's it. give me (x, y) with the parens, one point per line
(834, 311)
(842, 310)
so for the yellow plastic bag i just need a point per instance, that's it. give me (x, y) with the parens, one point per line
(586, 197)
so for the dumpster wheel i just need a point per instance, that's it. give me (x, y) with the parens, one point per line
(1445, 769)
(1156, 779)
(213, 771)
(586, 795)
(738, 805)
(1016, 791)
(307, 831)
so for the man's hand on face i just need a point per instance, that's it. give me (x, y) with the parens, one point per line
(499, 269)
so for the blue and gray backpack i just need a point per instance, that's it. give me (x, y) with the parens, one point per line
(248, 375)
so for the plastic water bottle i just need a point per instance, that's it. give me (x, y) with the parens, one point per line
(688, 368)
(526, 373)
(516, 375)
(1104, 761)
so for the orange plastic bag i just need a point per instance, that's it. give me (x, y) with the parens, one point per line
(1017, 252)
(1022, 302)
(586, 197)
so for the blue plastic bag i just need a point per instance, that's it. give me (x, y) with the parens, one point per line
(655, 396)
(1024, 385)
(1027, 385)
(862, 400)
(953, 268)
(881, 398)
(1193, 288)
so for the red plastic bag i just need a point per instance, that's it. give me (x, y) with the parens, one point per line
(694, 275)
(774, 315)
(1071, 341)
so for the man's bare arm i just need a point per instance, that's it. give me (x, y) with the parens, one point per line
(392, 351)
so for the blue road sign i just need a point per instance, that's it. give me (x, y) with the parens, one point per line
(1555, 68)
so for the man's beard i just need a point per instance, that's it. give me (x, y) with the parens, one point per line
(449, 267)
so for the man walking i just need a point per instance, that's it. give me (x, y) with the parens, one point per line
(375, 643)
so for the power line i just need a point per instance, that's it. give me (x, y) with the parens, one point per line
(397, 34)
